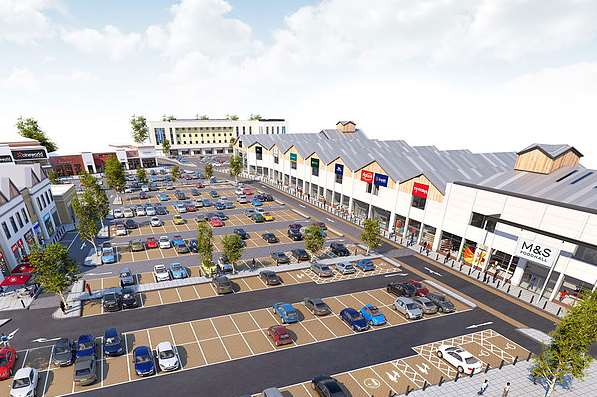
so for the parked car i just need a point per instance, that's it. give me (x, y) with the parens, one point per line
(270, 238)
(443, 304)
(295, 234)
(270, 277)
(213, 193)
(339, 249)
(207, 202)
(242, 233)
(163, 197)
(190, 207)
(140, 210)
(249, 213)
(126, 277)
(258, 218)
(216, 222)
(321, 270)
(108, 255)
(8, 358)
(242, 199)
(354, 319)
(462, 360)
(137, 245)
(408, 308)
(149, 210)
(180, 195)
(198, 204)
(345, 268)
(181, 247)
(280, 257)
(165, 242)
(326, 386)
(24, 383)
(222, 284)
(222, 215)
(121, 230)
(130, 224)
(219, 206)
(143, 360)
(420, 289)
(160, 273)
(228, 204)
(317, 306)
(85, 346)
(373, 315)
(129, 298)
(180, 208)
(193, 245)
(112, 302)
(151, 242)
(178, 271)
(167, 357)
(279, 335)
(161, 211)
(366, 265)
(400, 289)
(113, 343)
(300, 254)
(256, 203)
(195, 192)
(425, 305)
(208, 215)
(268, 217)
(117, 213)
(63, 352)
(128, 213)
(178, 220)
(288, 314)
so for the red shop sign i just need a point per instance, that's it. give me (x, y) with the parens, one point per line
(367, 176)
(20, 243)
(420, 190)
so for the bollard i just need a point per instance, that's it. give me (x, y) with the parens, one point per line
(498, 285)
(519, 293)
(515, 360)
(559, 310)
(441, 380)
(460, 266)
(545, 304)
(529, 356)
(478, 274)
(407, 390)
(425, 385)
(508, 289)
(457, 376)
(486, 368)
(472, 372)
(532, 298)
(470, 269)
(501, 364)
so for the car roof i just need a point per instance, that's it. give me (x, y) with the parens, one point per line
(141, 350)
(23, 372)
(350, 310)
(83, 338)
(164, 346)
(84, 362)
(404, 299)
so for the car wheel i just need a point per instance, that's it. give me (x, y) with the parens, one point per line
(440, 354)
(460, 369)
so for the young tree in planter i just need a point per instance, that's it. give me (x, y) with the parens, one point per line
(86, 216)
(568, 352)
(233, 247)
(166, 147)
(115, 175)
(141, 175)
(175, 173)
(209, 170)
(314, 239)
(236, 166)
(139, 130)
(99, 198)
(54, 270)
(370, 235)
(205, 247)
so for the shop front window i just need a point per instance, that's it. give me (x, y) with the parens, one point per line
(419, 202)
(293, 165)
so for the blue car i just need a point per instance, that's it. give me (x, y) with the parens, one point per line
(222, 216)
(287, 312)
(177, 240)
(207, 202)
(164, 197)
(85, 346)
(354, 319)
(373, 315)
(219, 206)
(108, 255)
(213, 193)
(365, 265)
(112, 343)
(143, 359)
(228, 205)
(256, 203)
(178, 271)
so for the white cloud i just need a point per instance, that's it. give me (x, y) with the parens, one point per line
(25, 21)
(109, 41)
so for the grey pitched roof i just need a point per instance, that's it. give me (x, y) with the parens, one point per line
(552, 151)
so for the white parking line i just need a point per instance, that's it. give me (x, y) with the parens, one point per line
(48, 372)
(126, 347)
(220, 338)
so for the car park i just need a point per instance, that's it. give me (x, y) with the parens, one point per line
(85, 346)
(270, 277)
(165, 242)
(120, 229)
(400, 289)
(345, 268)
(326, 386)
(300, 254)
(8, 358)
(140, 210)
(161, 211)
(295, 234)
(462, 360)
(128, 213)
(151, 242)
(322, 270)
(443, 304)
(129, 298)
(279, 334)
(167, 357)
(287, 313)
(178, 271)
(160, 273)
(270, 238)
(155, 222)
(241, 233)
(126, 277)
(163, 197)
(373, 315)
(130, 224)
(354, 319)
(366, 265)
(425, 305)
(280, 258)
(256, 203)
(420, 289)
(112, 302)
(149, 210)
(408, 308)
(113, 344)
(339, 249)
(143, 361)
(117, 213)
(216, 222)
(178, 220)
(317, 306)
(137, 245)
(108, 254)
(24, 382)
(222, 284)
(180, 208)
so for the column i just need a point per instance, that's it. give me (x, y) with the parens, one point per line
(557, 286)
(436, 240)
(391, 223)
(350, 204)
(518, 272)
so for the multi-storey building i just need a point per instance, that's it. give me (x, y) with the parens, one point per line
(212, 136)
(530, 214)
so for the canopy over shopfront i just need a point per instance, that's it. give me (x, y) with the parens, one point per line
(15, 281)
(24, 268)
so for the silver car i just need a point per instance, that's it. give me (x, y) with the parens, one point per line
(322, 270)
(408, 308)
(425, 304)
(85, 371)
(345, 268)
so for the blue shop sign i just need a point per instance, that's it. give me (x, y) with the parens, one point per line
(339, 169)
(380, 180)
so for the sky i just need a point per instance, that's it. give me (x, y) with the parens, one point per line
(484, 75)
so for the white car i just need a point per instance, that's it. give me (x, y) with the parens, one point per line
(260, 210)
(239, 191)
(117, 213)
(242, 199)
(165, 242)
(167, 357)
(121, 230)
(128, 213)
(161, 273)
(128, 190)
(459, 358)
(24, 382)
(181, 208)
(156, 222)
(149, 210)
(145, 188)
(140, 211)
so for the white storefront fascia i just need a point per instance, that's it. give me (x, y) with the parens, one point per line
(7, 210)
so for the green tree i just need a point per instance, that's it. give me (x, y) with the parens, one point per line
(231, 117)
(99, 200)
(175, 173)
(29, 128)
(141, 175)
(232, 247)
(86, 217)
(209, 170)
(204, 117)
(205, 247)
(168, 118)
(236, 166)
(139, 130)
(568, 351)
(54, 270)
(53, 177)
(314, 239)
(232, 142)
(166, 147)
(255, 117)
(370, 235)
(114, 172)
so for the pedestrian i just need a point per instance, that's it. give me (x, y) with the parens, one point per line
(88, 288)
(253, 263)
(62, 307)
(484, 387)
(506, 390)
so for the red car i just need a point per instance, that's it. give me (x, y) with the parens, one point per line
(421, 290)
(279, 335)
(151, 242)
(191, 207)
(216, 222)
(8, 357)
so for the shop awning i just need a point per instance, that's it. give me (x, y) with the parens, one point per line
(15, 281)
(24, 268)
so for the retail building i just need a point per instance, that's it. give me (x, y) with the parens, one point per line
(23, 151)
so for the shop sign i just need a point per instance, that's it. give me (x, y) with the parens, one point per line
(366, 176)
(339, 169)
(3, 265)
(380, 180)
(31, 154)
(20, 243)
(314, 163)
(292, 156)
(480, 255)
(420, 190)
(5, 158)
(536, 252)
(29, 238)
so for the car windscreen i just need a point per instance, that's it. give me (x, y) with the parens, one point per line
(112, 340)
(166, 354)
(83, 372)
(374, 311)
(325, 268)
(22, 382)
(471, 360)
(62, 348)
(3, 361)
(85, 345)
(125, 274)
(142, 359)
(320, 305)
(411, 306)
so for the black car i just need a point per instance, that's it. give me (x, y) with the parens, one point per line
(130, 224)
(143, 195)
(267, 197)
(180, 195)
(443, 304)
(161, 211)
(221, 215)
(209, 215)
(270, 277)
(326, 386)
(112, 302)
(300, 254)
(63, 352)
(295, 234)
(129, 298)
(280, 258)
(401, 289)
(270, 238)
(195, 192)
(242, 233)
(222, 284)
(193, 245)
(339, 249)
(317, 306)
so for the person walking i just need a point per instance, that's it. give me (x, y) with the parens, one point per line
(88, 288)
(506, 390)
(62, 307)
(484, 387)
